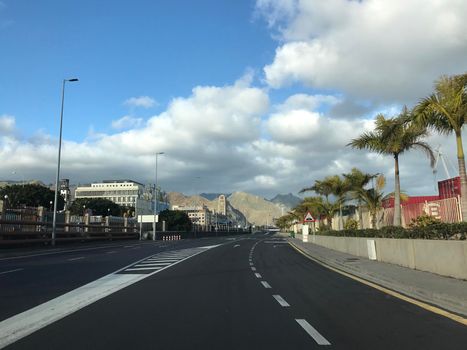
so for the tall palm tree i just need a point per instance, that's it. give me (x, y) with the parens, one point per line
(332, 185)
(358, 180)
(394, 136)
(373, 198)
(321, 187)
(446, 112)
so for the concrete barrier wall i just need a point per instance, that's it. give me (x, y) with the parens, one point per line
(447, 258)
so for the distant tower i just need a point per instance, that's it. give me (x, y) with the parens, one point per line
(222, 205)
(65, 192)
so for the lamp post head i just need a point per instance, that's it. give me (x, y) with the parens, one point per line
(72, 79)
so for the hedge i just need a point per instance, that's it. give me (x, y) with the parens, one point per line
(457, 231)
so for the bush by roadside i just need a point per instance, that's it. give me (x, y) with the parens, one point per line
(457, 231)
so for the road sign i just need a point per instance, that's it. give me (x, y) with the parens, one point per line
(147, 218)
(309, 218)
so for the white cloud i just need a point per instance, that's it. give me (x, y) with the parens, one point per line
(7, 124)
(142, 101)
(385, 51)
(127, 122)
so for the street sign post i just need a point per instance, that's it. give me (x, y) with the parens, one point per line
(309, 218)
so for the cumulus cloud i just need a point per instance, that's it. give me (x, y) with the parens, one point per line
(7, 124)
(387, 51)
(127, 122)
(142, 101)
(203, 135)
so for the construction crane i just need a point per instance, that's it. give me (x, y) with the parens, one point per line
(439, 155)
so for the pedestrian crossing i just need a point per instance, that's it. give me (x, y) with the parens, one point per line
(161, 260)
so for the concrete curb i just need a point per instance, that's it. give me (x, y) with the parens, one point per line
(444, 301)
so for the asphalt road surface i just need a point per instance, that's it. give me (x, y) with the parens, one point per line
(244, 292)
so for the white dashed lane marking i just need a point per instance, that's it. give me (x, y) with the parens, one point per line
(319, 339)
(281, 300)
(253, 268)
(257, 275)
(265, 284)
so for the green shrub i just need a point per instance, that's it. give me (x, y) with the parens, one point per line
(457, 231)
(351, 224)
(424, 221)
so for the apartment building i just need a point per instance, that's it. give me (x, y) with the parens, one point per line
(199, 215)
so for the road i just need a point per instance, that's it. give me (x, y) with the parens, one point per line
(250, 292)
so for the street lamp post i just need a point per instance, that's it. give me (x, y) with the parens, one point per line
(155, 201)
(54, 221)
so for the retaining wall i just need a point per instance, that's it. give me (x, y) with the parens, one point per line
(447, 258)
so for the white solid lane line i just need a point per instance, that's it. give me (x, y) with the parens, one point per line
(313, 332)
(29, 321)
(78, 258)
(9, 271)
(281, 300)
(257, 275)
(265, 284)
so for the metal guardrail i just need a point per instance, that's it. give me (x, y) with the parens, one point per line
(14, 232)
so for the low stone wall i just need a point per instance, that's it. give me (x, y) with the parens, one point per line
(447, 258)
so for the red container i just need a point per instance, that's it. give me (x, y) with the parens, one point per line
(389, 203)
(449, 188)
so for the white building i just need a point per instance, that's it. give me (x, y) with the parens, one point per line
(126, 193)
(121, 192)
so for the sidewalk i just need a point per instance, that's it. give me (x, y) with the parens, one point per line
(447, 293)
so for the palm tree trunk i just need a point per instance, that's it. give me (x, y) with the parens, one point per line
(341, 219)
(360, 215)
(373, 220)
(462, 175)
(397, 192)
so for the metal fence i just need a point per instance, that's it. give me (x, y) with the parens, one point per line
(15, 232)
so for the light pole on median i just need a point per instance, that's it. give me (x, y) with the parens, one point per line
(155, 201)
(54, 220)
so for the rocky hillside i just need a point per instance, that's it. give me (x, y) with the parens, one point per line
(257, 210)
(289, 201)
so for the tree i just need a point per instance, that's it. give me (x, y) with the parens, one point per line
(445, 111)
(394, 136)
(176, 220)
(372, 198)
(357, 182)
(99, 206)
(30, 195)
(285, 221)
(318, 207)
(332, 185)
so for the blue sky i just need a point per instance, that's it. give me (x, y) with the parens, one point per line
(260, 96)
(119, 49)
